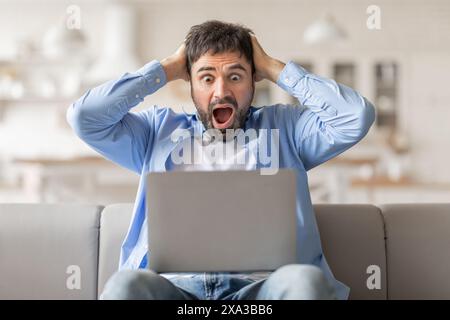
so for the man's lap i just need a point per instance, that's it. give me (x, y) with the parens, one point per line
(288, 282)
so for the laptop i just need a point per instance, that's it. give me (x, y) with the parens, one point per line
(220, 221)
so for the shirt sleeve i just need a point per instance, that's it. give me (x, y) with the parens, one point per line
(331, 117)
(102, 117)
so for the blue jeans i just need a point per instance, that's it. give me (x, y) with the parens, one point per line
(290, 282)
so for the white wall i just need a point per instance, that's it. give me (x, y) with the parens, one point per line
(417, 32)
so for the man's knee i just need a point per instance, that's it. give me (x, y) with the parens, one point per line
(131, 284)
(300, 281)
(299, 272)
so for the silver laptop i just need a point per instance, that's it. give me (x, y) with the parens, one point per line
(221, 221)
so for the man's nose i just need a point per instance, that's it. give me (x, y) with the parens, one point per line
(221, 89)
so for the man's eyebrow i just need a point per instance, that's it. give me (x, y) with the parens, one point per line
(234, 66)
(205, 68)
(237, 66)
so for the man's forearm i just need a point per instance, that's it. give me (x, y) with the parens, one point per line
(338, 106)
(274, 68)
(170, 68)
(108, 103)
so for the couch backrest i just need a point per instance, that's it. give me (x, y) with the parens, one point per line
(353, 241)
(44, 248)
(48, 251)
(418, 250)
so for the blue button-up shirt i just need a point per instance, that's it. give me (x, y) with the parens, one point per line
(330, 119)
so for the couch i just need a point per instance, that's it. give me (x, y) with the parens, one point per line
(44, 246)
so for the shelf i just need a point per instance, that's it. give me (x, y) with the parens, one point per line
(4, 102)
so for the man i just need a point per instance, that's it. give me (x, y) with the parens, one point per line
(222, 61)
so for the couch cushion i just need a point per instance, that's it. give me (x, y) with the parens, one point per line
(353, 239)
(38, 245)
(418, 255)
(114, 225)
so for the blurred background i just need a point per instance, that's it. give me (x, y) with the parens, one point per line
(396, 53)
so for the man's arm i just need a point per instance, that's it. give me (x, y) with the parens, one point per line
(332, 118)
(102, 117)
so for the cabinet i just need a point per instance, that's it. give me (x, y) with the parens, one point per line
(386, 94)
(377, 78)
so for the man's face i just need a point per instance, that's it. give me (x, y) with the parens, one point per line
(222, 88)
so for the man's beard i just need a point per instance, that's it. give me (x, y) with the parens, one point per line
(240, 114)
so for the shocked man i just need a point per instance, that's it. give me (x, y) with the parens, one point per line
(222, 62)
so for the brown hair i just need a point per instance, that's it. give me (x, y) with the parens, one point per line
(218, 37)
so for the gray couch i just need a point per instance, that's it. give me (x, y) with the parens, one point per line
(43, 247)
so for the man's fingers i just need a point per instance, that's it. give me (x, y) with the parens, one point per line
(258, 78)
(253, 37)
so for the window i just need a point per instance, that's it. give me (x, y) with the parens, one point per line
(386, 94)
(344, 73)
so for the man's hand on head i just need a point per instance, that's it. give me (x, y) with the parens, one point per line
(266, 66)
(175, 65)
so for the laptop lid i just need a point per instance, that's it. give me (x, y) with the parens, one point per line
(212, 221)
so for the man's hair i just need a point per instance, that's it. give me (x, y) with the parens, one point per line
(217, 37)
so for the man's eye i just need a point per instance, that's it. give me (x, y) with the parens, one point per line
(235, 77)
(207, 78)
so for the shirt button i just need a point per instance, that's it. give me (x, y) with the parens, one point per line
(331, 111)
(157, 80)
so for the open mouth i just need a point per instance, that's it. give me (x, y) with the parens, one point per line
(223, 116)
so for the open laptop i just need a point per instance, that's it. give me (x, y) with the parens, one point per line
(213, 221)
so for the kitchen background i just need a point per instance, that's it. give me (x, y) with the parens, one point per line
(396, 53)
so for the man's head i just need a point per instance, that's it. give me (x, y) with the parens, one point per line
(221, 69)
